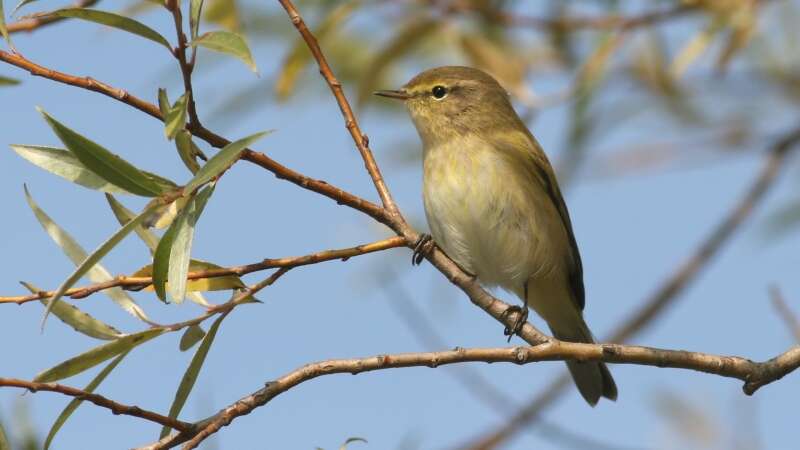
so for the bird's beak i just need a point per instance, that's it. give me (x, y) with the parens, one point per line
(399, 94)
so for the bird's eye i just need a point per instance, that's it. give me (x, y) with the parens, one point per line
(439, 92)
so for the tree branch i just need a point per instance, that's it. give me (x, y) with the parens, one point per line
(361, 140)
(115, 407)
(754, 374)
(130, 282)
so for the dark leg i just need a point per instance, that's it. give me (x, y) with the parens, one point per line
(422, 248)
(522, 315)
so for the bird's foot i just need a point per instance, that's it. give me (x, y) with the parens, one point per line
(422, 248)
(519, 321)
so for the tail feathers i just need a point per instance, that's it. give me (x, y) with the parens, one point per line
(593, 379)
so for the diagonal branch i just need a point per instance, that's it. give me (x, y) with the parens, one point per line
(99, 400)
(666, 294)
(754, 374)
(360, 139)
(288, 262)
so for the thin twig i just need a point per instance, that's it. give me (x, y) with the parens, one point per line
(115, 407)
(131, 282)
(174, 6)
(41, 20)
(360, 139)
(754, 374)
(664, 295)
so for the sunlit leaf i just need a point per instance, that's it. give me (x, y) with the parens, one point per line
(696, 46)
(97, 273)
(190, 376)
(191, 336)
(228, 43)
(104, 163)
(77, 319)
(175, 118)
(299, 56)
(187, 150)
(163, 102)
(64, 164)
(97, 355)
(76, 402)
(221, 161)
(195, 9)
(95, 257)
(181, 250)
(224, 13)
(114, 21)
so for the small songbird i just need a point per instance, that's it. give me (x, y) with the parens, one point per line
(494, 206)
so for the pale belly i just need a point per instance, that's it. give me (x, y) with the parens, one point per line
(492, 219)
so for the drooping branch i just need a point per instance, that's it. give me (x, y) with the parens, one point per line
(115, 407)
(131, 282)
(754, 374)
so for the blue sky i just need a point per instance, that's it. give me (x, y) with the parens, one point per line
(632, 232)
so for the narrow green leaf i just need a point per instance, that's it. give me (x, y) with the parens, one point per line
(180, 251)
(73, 405)
(64, 164)
(104, 163)
(79, 320)
(203, 284)
(190, 376)
(124, 215)
(221, 161)
(163, 101)
(3, 29)
(175, 118)
(97, 273)
(21, 4)
(6, 81)
(114, 21)
(97, 355)
(187, 150)
(92, 259)
(191, 336)
(229, 43)
(161, 257)
(195, 9)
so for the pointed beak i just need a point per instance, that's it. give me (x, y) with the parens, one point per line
(400, 95)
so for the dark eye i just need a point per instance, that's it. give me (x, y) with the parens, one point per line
(439, 92)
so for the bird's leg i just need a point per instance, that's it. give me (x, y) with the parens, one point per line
(522, 315)
(422, 248)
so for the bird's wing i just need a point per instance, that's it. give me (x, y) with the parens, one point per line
(528, 152)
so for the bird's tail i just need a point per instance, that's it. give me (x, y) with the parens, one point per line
(593, 379)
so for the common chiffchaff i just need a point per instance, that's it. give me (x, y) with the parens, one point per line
(494, 206)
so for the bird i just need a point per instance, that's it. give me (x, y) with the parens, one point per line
(494, 206)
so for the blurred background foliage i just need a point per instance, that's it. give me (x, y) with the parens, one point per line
(722, 73)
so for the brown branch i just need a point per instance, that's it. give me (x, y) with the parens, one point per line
(753, 374)
(41, 20)
(360, 139)
(341, 197)
(665, 295)
(130, 282)
(115, 407)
